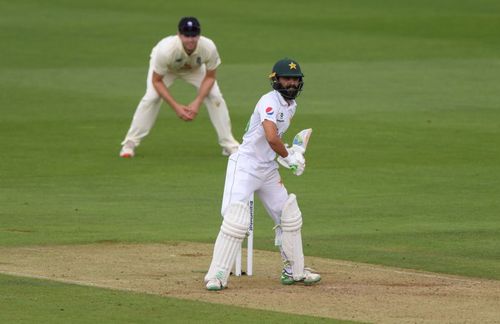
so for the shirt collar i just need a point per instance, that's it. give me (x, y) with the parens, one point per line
(282, 100)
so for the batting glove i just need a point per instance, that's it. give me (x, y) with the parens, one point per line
(294, 161)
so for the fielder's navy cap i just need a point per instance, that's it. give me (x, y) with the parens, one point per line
(189, 26)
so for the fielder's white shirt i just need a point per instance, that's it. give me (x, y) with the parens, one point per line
(273, 107)
(169, 56)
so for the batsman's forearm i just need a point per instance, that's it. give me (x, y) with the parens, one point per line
(271, 132)
(278, 147)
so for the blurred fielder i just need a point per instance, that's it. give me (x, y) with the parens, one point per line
(194, 59)
(253, 169)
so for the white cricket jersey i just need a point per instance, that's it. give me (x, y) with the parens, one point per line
(169, 56)
(273, 107)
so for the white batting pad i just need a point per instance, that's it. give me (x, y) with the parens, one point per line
(236, 220)
(291, 237)
(232, 232)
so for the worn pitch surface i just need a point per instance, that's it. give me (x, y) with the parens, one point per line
(348, 290)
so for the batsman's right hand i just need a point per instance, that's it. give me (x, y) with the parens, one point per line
(294, 161)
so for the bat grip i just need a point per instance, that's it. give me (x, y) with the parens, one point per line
(299, 149)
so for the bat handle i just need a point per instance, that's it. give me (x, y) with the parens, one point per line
(299, 149)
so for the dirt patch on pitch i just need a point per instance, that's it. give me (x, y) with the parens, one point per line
(348, 290)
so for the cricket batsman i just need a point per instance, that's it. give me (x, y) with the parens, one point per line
(253, 169)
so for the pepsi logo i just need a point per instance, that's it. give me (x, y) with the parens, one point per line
(269, 111)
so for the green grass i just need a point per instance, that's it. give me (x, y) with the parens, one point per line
(403, 96)
(44, 301)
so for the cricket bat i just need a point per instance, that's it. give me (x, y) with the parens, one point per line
(299, 144)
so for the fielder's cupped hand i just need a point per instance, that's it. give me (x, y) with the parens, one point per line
(193, 108)
(183, 113)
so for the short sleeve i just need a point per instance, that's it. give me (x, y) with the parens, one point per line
(267, 111)
(160, 58)
(213, 59)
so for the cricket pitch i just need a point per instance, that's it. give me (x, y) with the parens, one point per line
(348, 290)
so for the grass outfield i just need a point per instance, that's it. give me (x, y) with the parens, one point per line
(45, 301)
(403, 96)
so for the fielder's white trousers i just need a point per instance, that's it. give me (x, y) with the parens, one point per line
(245, 176)
(149, 106)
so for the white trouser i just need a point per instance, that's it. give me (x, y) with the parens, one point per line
(149, 106)
(245, 176)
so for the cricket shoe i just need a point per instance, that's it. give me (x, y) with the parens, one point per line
(127, 150)
(214, 285)
(309, 278)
